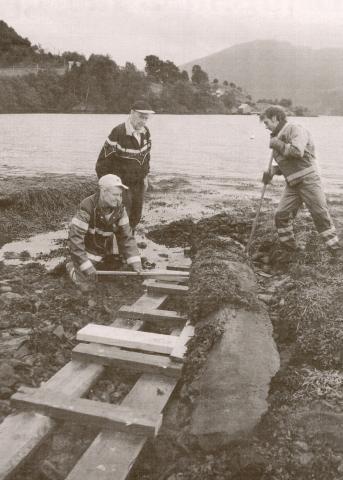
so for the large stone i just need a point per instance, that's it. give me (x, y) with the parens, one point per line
(234, 385)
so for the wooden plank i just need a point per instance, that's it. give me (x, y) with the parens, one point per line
(112, 454)
(180, 348)
(22, 433)
(89, 412)
(166, 318)
(121, 337)
(168, 288)
(128, 360)
(184, 267)
(170, 275)
(151, 300)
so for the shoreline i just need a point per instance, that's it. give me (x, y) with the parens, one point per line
(36, 204)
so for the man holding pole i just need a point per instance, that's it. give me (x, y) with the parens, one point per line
(294, 152)
(99, 218)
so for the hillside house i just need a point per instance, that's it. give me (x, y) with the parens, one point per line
(244, 109)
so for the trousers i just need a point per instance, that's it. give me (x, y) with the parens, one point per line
(310, 192)
(133, 200)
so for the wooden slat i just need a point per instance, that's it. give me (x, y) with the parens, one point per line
(166, 318)
(168, 288)
(181, 344)
(121, 337)
(112, 454)
(181, 267)
(128, 360)
(22, 433)
(89, 412)
(152, 301)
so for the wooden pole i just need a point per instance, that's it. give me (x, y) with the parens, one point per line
(145, 273)
(255, 222)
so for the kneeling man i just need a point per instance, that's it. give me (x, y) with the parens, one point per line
(100, 220)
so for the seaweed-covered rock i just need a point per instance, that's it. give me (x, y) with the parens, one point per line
(229, 373)
(219, 277)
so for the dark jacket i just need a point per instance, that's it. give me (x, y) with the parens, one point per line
(122, 155)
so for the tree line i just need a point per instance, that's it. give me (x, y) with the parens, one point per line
(99, 85)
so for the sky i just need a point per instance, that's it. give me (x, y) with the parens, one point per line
(176, 30)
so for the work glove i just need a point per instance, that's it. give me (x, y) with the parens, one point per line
(277, 144)
(136, 267)
(90, 272)
(267, 177)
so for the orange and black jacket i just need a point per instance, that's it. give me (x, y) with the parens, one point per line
(90, 234)
(124, 156)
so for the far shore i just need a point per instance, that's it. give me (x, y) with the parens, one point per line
(37, 204)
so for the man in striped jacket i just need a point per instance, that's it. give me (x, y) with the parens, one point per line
(126, 153)
(294, 153)
(99, 218)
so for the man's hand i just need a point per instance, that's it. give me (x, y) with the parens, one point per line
(90, 272)
(267, 176)
(136, 267)
(277, 144)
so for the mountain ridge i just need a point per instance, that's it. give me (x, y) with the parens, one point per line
(278, 69)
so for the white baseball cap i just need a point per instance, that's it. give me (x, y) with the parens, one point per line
(111, 181)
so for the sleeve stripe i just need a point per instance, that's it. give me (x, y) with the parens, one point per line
(114, 144)
(104, 234)
(95, 258)
(80, 223)
(133, 259)
(85, 265)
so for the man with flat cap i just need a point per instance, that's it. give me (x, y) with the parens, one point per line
(99, 218)
(126, 153)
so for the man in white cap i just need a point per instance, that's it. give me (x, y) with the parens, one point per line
(126, 153)
(99, 218)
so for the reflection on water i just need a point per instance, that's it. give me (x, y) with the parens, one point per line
(42, 248)
(33, 249)
(223, 146)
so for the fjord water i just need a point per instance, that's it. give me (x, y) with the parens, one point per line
(222, 146)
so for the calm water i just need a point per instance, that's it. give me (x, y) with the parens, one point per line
(214, 145)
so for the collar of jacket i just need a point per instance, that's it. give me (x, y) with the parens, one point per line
(130, 130)
(278, 129)
(114, 214)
